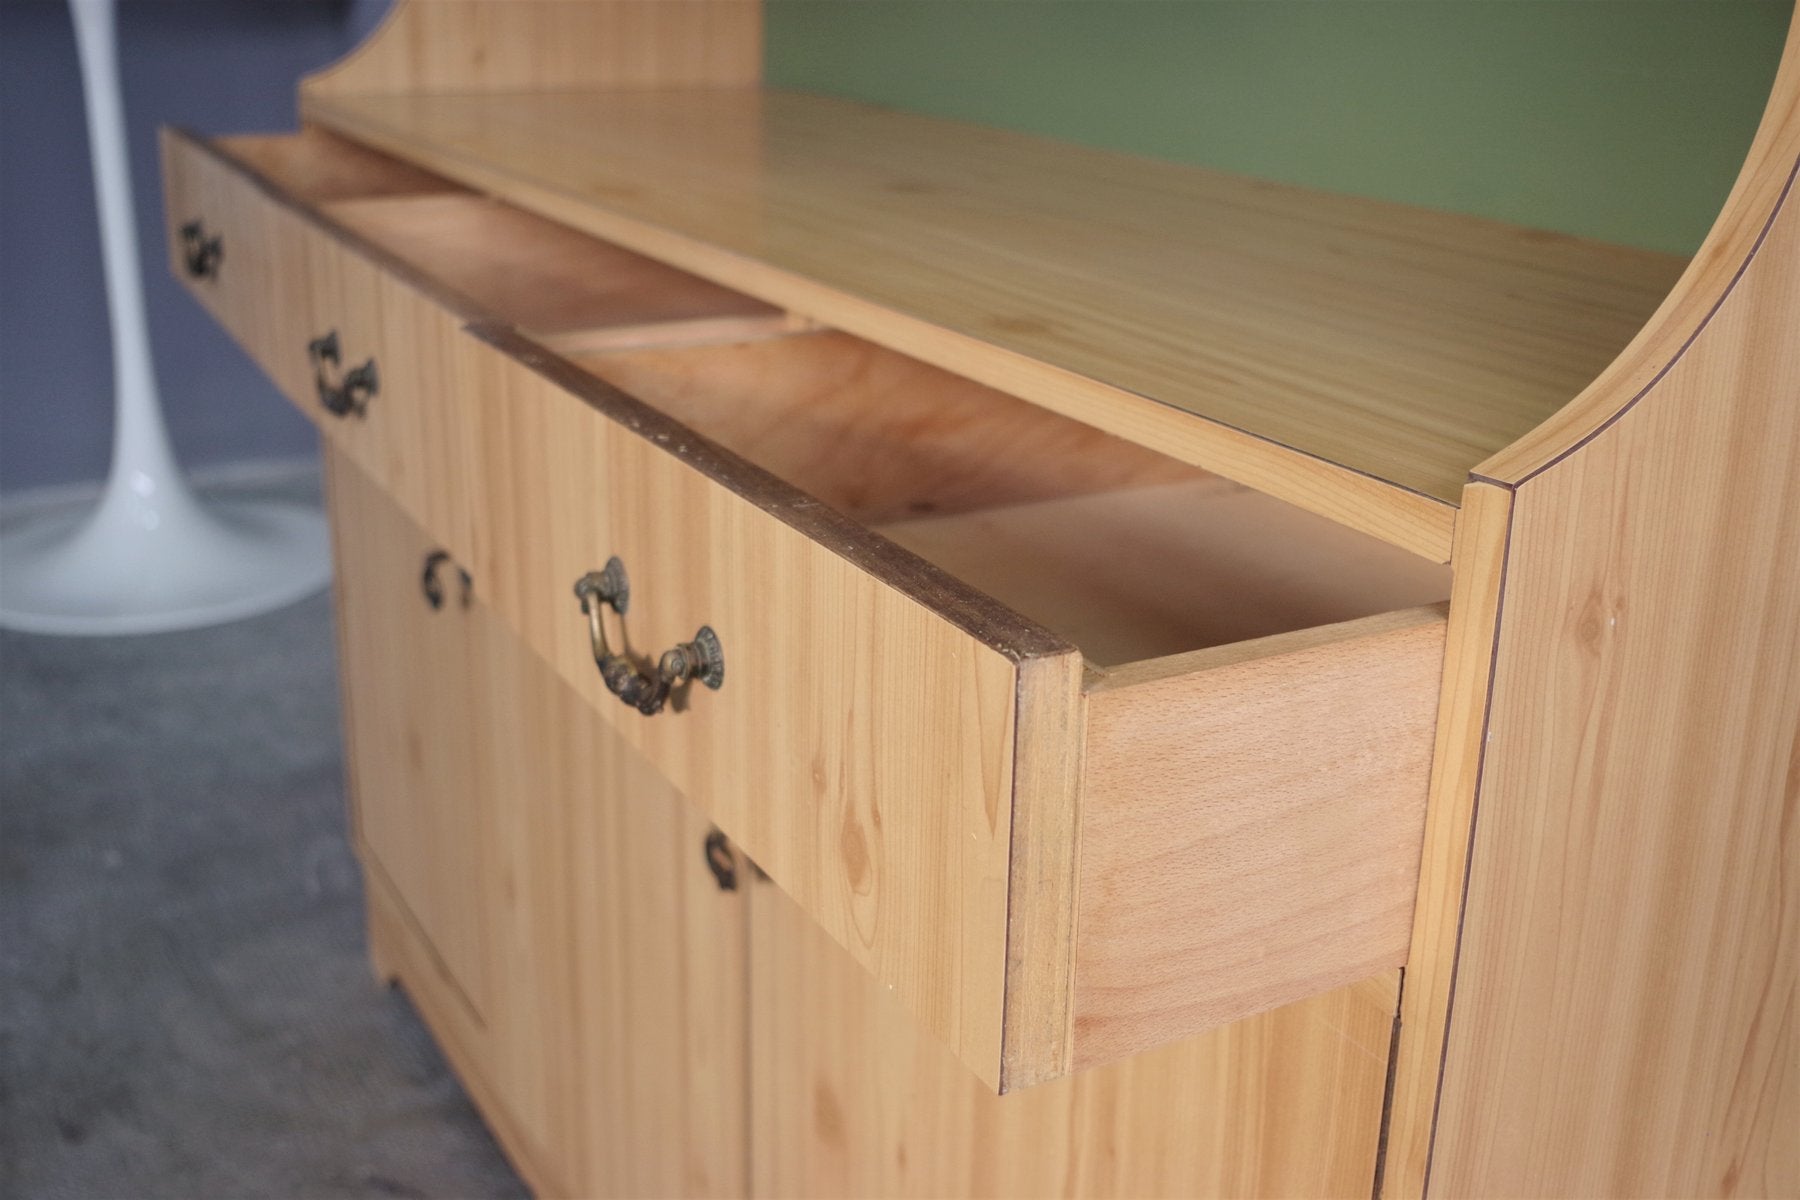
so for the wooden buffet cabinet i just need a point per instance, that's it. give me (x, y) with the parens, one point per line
(885, 657)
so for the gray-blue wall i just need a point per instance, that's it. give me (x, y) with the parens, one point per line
(215, 66)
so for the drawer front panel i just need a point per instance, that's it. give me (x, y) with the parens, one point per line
(411, 436)
(254, 265)
(861, 746)
(287, 285)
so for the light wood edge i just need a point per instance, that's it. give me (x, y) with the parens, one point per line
(1037, 1028)
(390, 58)
(1212, 658)
(1411, 520)
(973, 612)
(667, 335)
(330, 466)
(1478, 575)
(459, 304)
(1767, 175)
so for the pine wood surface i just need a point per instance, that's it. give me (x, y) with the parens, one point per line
(850, 1100)
(1250, 827)
(861, 748)
(1390, 664)
(1629, 972)
(1619, 982)
(609, 1047)
(1330, 343)
(874, 434)
(1148, 571)
(896, 437)
(1478, 570)
(539, 276)
(411, 688)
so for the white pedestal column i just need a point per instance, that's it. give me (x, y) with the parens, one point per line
(150, 556)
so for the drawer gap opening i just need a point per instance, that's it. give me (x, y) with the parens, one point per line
(502, 263)
(571, 291)
(314, 167)
(1126, 553)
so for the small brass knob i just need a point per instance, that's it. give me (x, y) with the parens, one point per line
(201, 254)
(351, 394)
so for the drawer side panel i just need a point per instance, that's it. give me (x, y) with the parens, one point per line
(1250, 828)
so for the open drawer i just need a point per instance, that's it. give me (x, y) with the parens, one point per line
(1077, 749)
(348, 276)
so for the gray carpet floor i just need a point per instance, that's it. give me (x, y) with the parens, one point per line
(186, 1009)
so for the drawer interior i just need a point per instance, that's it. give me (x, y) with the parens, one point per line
(501, 262)
(1126, 553)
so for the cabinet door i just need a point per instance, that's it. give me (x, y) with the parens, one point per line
(412, 697)
(849, 1099)
(543, 894)
(618, 1017)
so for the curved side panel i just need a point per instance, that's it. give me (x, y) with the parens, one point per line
(529, 45)
(1626, 1011)
(1621, 982)
(1715, 270)
(1601, 993)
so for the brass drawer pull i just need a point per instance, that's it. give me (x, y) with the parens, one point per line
(702, 659)
(200, 253)
(351, 394)
(433, 587)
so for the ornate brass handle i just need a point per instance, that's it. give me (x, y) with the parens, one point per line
(702, 659)
(350, 395)
(200, 253)
(433, 587)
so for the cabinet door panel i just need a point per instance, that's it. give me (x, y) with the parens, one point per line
(850, 1099)
(412, 693)
(538, 888)
(618, 1022)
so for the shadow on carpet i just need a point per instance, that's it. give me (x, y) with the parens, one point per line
(186, 1009)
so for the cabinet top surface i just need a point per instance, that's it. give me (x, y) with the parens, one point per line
(1401, 344)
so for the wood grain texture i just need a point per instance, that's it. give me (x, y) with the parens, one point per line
(861, 749)
(1628, 984)
(1621, 1014)
(1150, 571)
(262, 292)
(620, 1037)
(1250, 823)
(482, 45)
(1354, 357)
(609, 1046)
(326, 237)
(539, 276)
(410, 685)
(1479, 569)
(1038, 1027)
(314, 166)
(850, 1100)
(875, 434)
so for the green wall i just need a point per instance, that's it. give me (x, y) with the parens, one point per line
(1618, 119)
